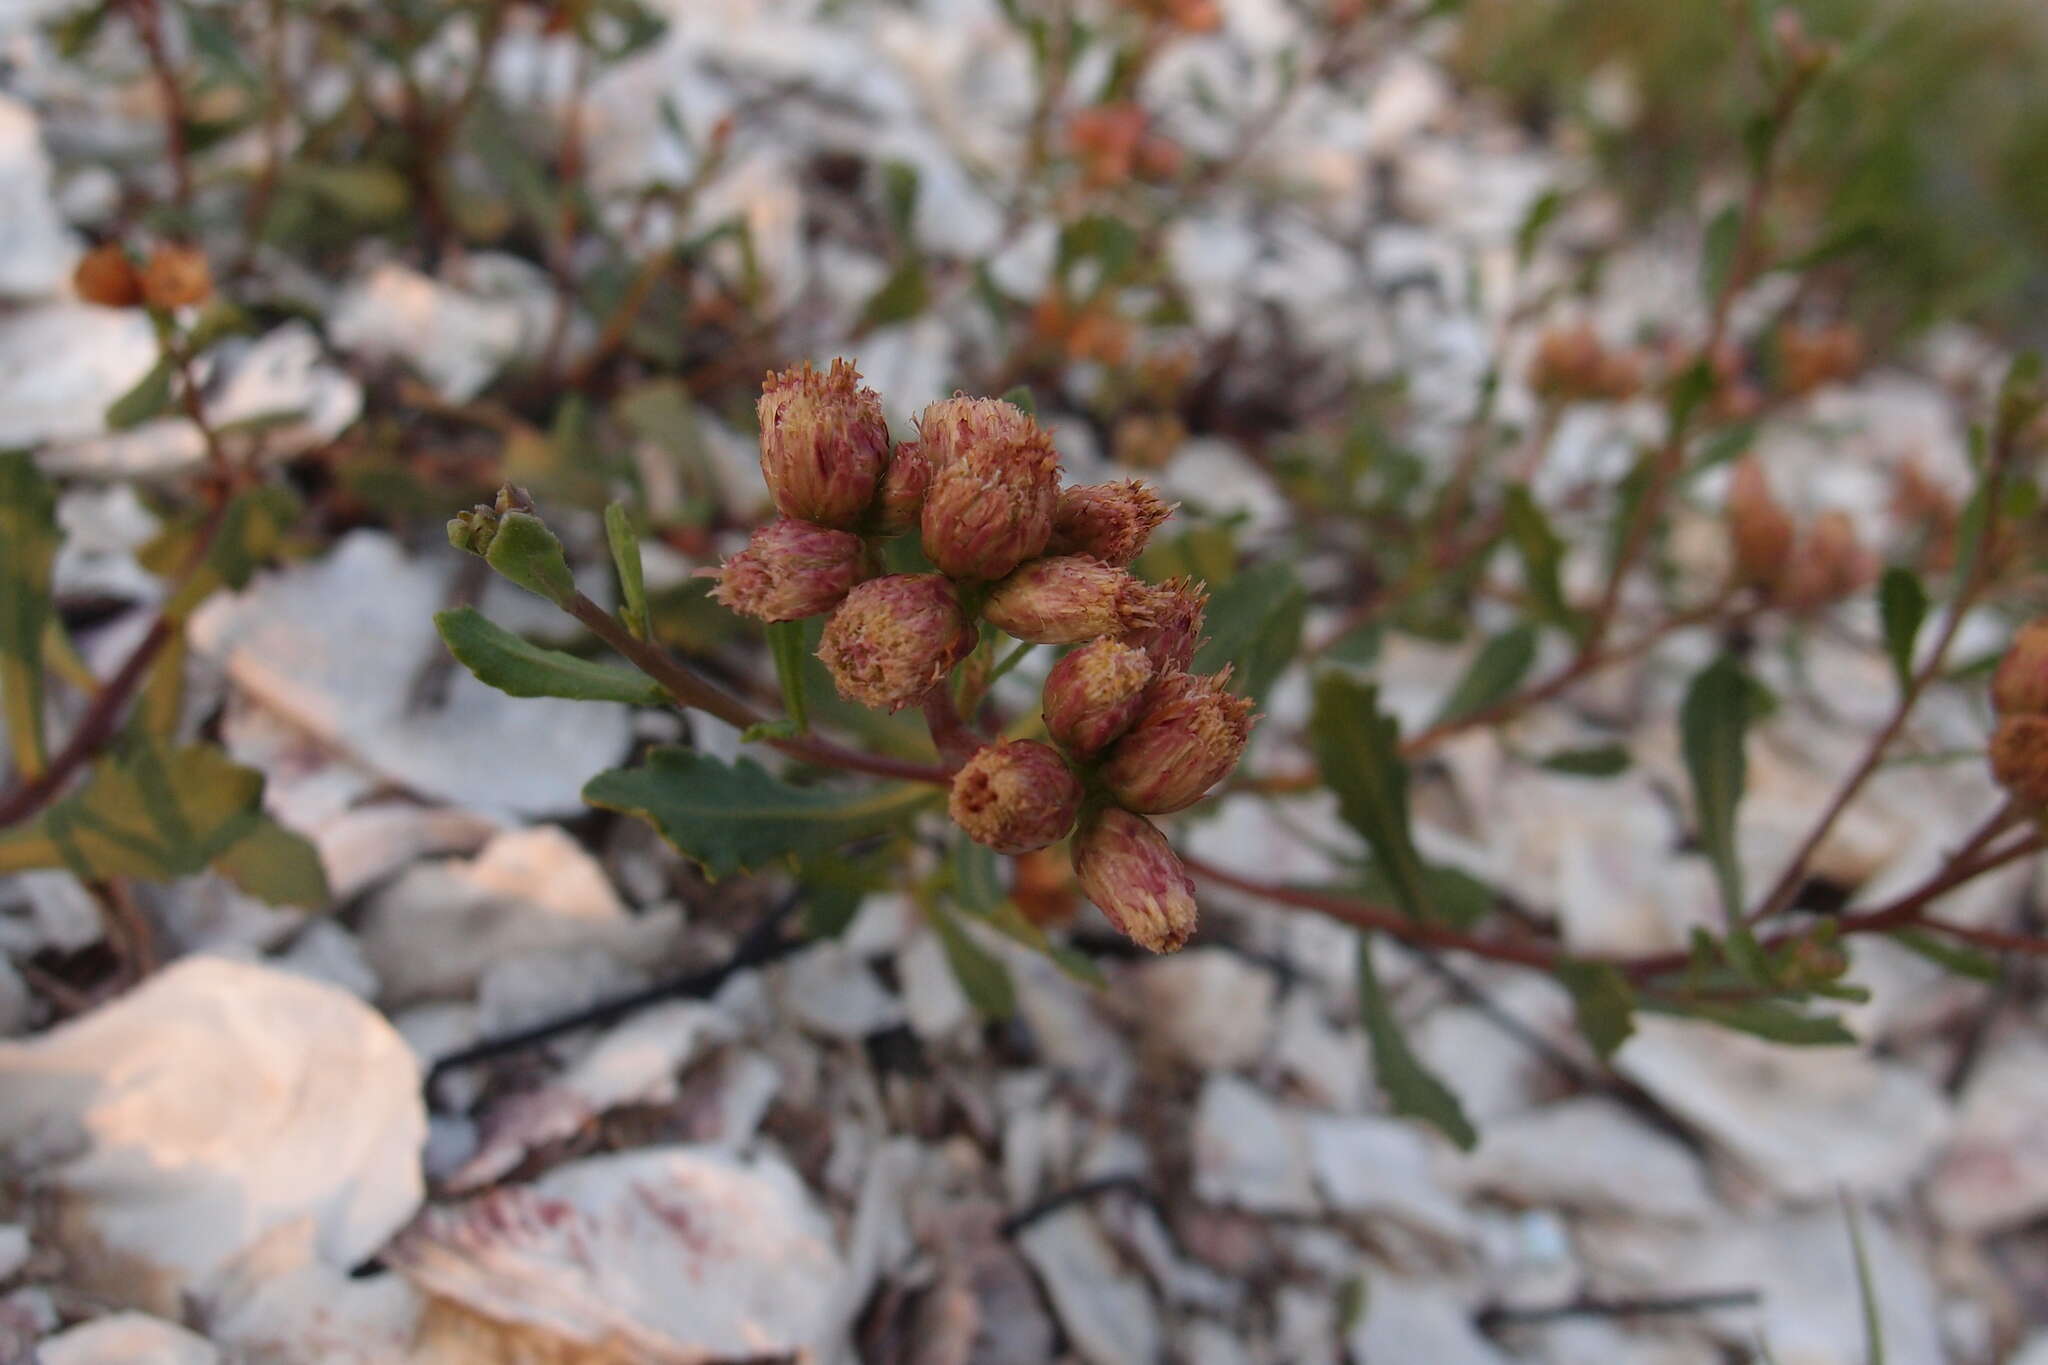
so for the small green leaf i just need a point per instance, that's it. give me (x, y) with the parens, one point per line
(519, 668)
(1410, 1087)
(1254, 625)
(899, 196)
(1358, 749)
(1954, 957)
(1542, 554)
(786, 641)
(1496, 671)
(1454, 896)
(526, 551)
(365, 192)
(1602, 1003)
(1902, 604)
(1768, 1019)
(1603, 760)
(903, 295)
(1866, 1288)
(148, 811)
(28, 550)
(1713, 723)
(150, 397)
(276, 865)
(1020, 397)
(1717, 258)
(1534, 222)
(977, 877)
(739, 818)
(625, 547)
(983, 978)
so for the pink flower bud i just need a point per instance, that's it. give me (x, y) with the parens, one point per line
(1015, 796)
(824, 443)
(1176, 630)
(1094, 694)
(1111, 521)
(893, 639)
(2020, 686)
(1126, 867)
(1064, 599)
(1189, 736)
(994, 486)
(2019, 757)
(790, 570)
(900, 503)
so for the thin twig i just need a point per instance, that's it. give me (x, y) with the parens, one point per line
(1585, 1306)
(149, 27)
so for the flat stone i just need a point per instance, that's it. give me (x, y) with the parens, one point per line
(1249, 1152)
(1593, 1154)
(1107, 1313)
(1207, 1006)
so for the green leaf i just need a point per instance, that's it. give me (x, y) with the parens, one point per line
(149, 811)
(1454, 896)
(365, 192)
(1534, 222)
(526, 551)
(1358, 749)
(1542, 554)
(899, 197)
(739, 818)
(977, 877)
(903, 295)
(625, 547)
(1603, 760)
(1602, 1003)
(1712, 723)
(28, 549)
(1717, 258)
(1020, 397)
(983, 978)
(519, 668)
(149, 398)
(1902, 605)
(1954, 957)
(1494, 674)
(276, 865)
(1254, 625)
(1768, 1019)
(1866, 1288)
(1410, 1087)
(786, 643)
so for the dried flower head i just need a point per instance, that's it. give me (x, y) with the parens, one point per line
(2019, 757)
(824, 443)
(1189, 736)
(1175, 633)
(107, 277)
(2020, 686)
(1809, 357)
(176, 276)
(1127, 868)
(791, 569)
(1064, 599)
(1111, 521)
(1830, 563)
(1015, 796)
(994, 486)
(1760, 530)
(893, 639)
(1095, 694)
(899, 503)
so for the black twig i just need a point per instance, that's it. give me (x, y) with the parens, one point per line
(764, 943)
(1585, 1306)
(1076, 1194)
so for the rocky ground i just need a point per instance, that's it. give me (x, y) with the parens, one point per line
(830, 1155)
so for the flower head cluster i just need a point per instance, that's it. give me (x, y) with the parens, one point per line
(1133, 730)
(2019, 692)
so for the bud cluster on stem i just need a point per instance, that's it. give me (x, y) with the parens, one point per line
(1133, 730)
(2019, 692)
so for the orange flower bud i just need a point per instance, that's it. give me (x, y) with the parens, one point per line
(893, 639)
(1189, 736)
(105, 276)
(994, 486)
(1127, 868)
(900, 501)
(176, 277)
(1015, 796)
(2020, 686)
(1042, 886)
(1176, 629)
(1567, 363)
(2019, 757)
(1831, 563)
(1094, 694)
(1759, 529)
(1809, 357)
(1146, 440)
(1064, 599)
(790, 570)
(1111, 521)
(824, 443)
